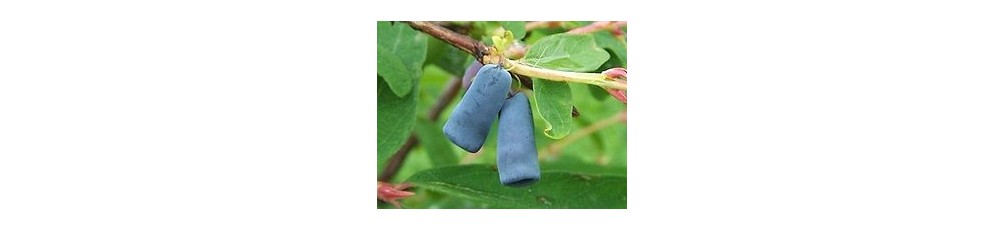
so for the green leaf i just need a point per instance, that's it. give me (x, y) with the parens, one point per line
(395, 118)
(440, 151)
(518, 28)
(447, 57)
(400, 54)
(573, 164)
(554, 105)
(616, 138)
(599, 93)
(556, 189)
(567, 52)
(619, 48)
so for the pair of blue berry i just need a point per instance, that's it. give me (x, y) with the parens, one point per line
(486, 99)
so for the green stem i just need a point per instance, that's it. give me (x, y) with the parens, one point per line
(555, 75)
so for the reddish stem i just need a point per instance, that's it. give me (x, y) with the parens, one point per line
(612, 26)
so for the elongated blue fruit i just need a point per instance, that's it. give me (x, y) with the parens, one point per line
(469, 123)
(516, 151)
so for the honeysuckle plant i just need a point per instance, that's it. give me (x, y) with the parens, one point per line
(574, 76)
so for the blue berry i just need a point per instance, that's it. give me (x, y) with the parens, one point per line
(470, 122)
(517, 151)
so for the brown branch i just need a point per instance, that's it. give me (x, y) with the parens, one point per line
(394, 163)
(465, 43)
(480, 51)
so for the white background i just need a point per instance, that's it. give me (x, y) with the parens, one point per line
(259, 115)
